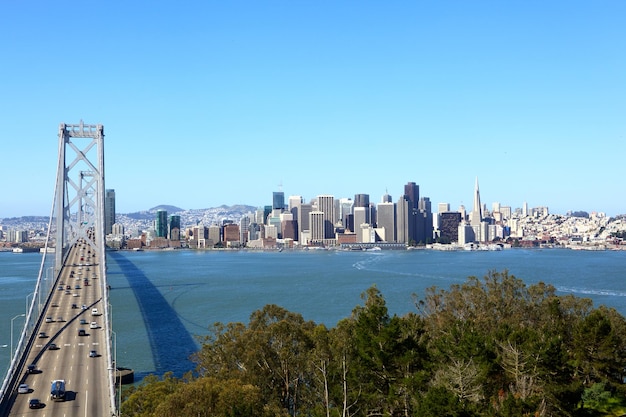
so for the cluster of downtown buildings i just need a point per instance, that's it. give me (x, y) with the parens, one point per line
(326, 221)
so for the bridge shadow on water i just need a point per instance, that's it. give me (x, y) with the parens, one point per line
(170, 342)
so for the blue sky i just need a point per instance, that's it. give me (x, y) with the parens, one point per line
(210, 102)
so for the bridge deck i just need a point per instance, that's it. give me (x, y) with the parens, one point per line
(66, 317)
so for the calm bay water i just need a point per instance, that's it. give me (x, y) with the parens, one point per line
(162, 300)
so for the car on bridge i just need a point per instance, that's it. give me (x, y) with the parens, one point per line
(34, 403)
(57, 390)
(23, 389)
(53, 346)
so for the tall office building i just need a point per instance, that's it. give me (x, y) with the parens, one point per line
(215, 233)
(109, 211)
(244, 227)
(317, 221)
(295, 204)
(386, 198)
(414, 217)
(326, 204)
(174, 227)
(425, 227)
(362, 200)
(304, 222)
(412, 193)
(476, 216)
(449, 226)
(160, 227)
(402, 220)
(408, 212)
(345, 209)
(278, 200)
(360, 217)
(387, 220)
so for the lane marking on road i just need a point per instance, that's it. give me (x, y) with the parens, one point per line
(86, 400)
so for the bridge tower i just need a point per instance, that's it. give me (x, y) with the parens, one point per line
(80, 189)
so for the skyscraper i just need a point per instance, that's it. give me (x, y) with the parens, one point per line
(174, 229)
(387, 220)
(476, 216)
(161, 223)
(109, 211)
(326, 204)
(412, 193)
(317, 221)
(278, 200)
(414, 217)
(362, 200)
(304, 222)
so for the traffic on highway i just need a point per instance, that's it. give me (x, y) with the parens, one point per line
(66, 372)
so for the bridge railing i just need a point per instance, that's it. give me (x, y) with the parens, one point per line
(43, 290)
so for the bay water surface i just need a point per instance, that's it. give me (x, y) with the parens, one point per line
(163, 300)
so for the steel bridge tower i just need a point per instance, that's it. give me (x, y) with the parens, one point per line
(80, 189)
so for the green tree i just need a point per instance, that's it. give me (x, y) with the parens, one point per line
(147, 397)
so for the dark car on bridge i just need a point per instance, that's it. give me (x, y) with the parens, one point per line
(34, 403)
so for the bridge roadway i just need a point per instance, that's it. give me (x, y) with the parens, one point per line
(68, 311)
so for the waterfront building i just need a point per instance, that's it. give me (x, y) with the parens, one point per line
(425, 229)
(160, 227)
(294, 207)
(304, 224)
(367, 234)
(109, 211)
(317, 222)
(360, 216)
(449, 226)
(326, 205)
(402, 220)
(174, 227)
(244, 226)
(386, 219)
(231, 235)
(215, 234)
(362, 200)
(466, 234)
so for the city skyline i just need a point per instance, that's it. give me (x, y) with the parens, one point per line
(219, 103)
